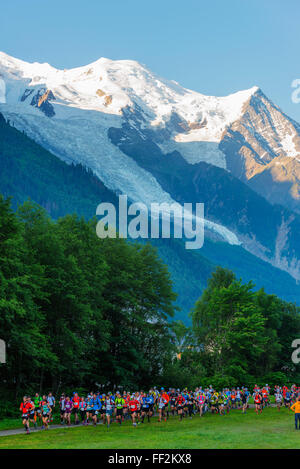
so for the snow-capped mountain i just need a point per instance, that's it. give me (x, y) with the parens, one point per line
(155, 141)
(177, 115)
(106, 89)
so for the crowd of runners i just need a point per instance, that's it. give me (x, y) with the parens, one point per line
(95, 408)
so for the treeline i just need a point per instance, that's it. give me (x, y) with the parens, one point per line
(79, 312)
(239, 337)
(76, 310)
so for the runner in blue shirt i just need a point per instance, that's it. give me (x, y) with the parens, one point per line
(145, 407)
(96, 408)
(89, 408)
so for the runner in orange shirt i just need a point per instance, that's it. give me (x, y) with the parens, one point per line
(296, 408)
(166, 397)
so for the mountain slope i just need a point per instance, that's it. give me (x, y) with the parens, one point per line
(227, 200)
(30, 171)
(262, 148)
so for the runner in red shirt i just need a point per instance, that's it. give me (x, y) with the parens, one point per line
(258, 402)
(233, 398)
(75, 410)
(265, 397)
(26, 408)
(166, 397)
(133, 408)
(180, 403)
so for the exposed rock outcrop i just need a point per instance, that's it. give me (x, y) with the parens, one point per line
(262, 148)
(100, 93)
(107, 100)
(42, 99)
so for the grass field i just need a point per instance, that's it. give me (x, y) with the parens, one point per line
(272, 429)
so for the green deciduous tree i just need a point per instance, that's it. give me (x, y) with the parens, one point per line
(76, 310)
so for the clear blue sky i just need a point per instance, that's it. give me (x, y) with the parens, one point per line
(214, 46)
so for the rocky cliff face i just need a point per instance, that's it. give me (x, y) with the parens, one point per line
(262, 148)
(42, 100)
(268, 231)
